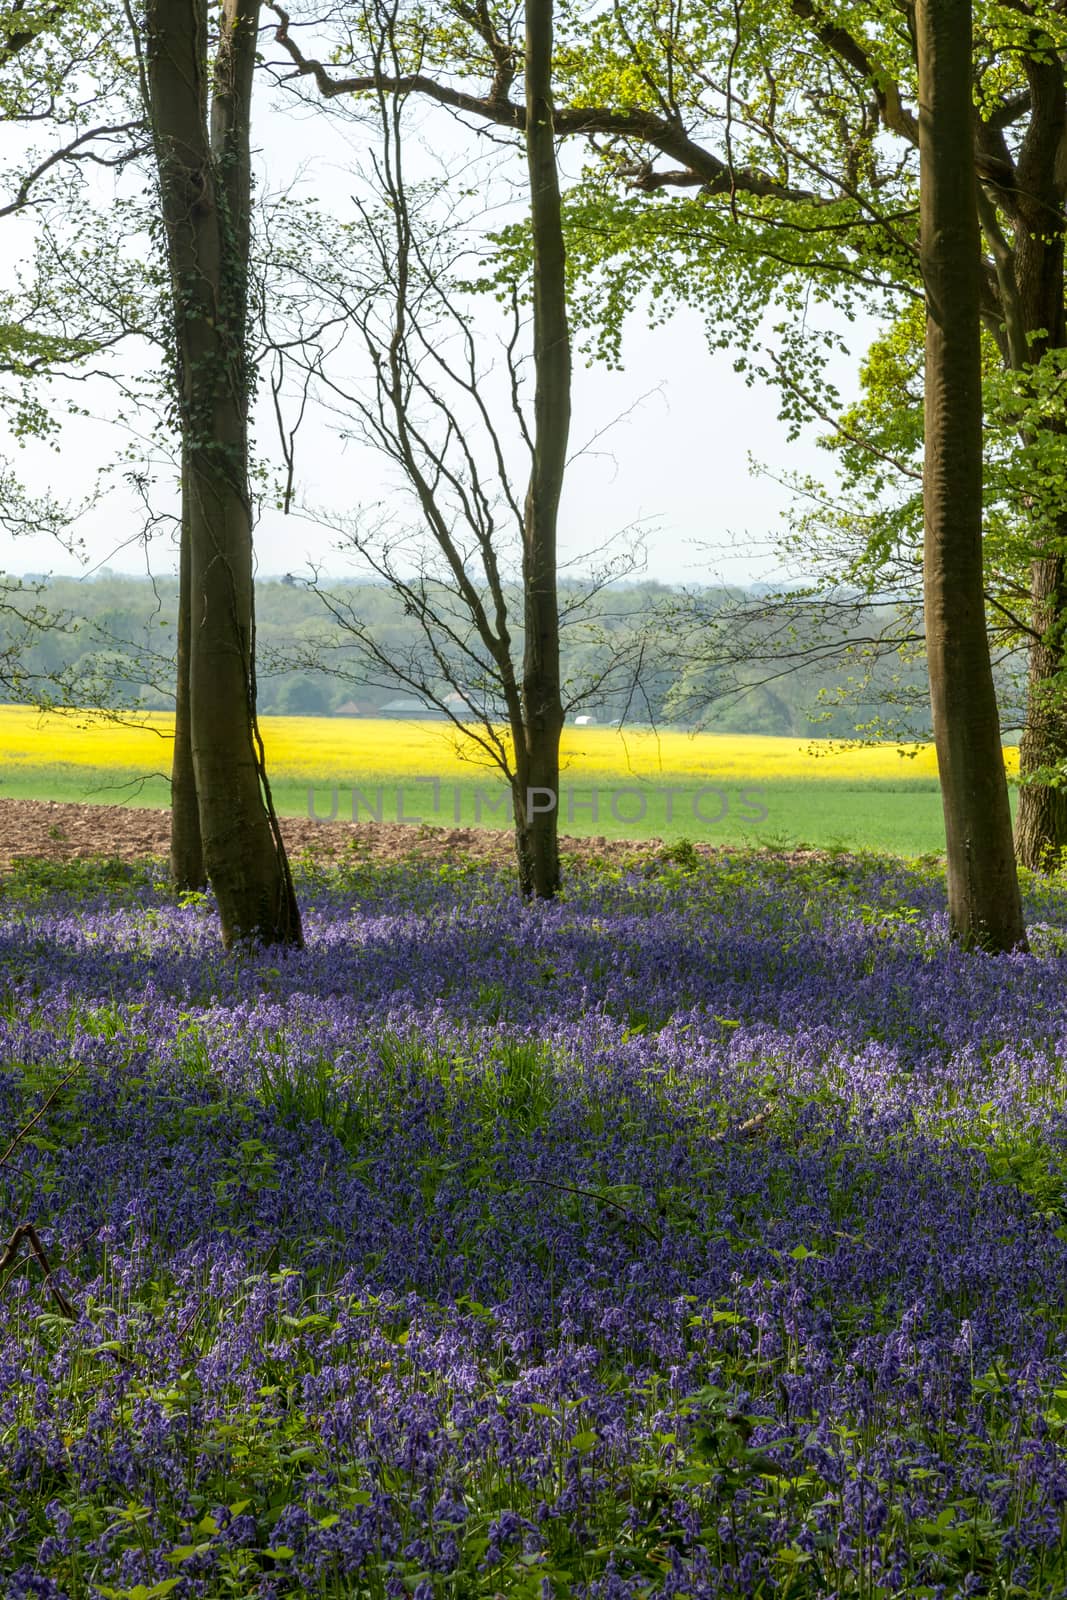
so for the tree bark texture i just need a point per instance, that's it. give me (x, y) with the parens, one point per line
(204, 170)
(186, 849)
(1035, 323)
(537, 831)
(1041, 815)
(983, 891)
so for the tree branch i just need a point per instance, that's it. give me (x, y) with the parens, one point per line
(699, 166)
(11, 43)
(68, 152)
(856, 54)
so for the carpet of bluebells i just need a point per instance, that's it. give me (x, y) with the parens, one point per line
(702, 1234)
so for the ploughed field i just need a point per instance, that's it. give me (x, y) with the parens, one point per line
(631, 784)
(704, 1233)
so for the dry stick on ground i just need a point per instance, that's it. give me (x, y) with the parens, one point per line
(744, 1130)
(26, 1231)
(602, 1199)
(17, 1140)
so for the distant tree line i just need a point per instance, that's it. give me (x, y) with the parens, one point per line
(789, 672)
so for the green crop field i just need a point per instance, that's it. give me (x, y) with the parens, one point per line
(717, 789)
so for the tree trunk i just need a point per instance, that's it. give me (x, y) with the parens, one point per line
(537, 830)
(1041, 816)
(1037, 306)
(983, 891)
(186, 849)
(205, 194)
(536, 810)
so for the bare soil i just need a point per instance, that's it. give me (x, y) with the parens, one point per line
(59, 831)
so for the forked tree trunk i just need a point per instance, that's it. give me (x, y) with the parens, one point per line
(537, 830)
(186, 849)
(983, 891)
(205, 192)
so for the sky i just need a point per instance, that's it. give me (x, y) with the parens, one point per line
(676, 466)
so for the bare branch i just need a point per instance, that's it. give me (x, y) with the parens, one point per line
(75, 150)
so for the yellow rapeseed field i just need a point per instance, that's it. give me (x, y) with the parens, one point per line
(341, 750)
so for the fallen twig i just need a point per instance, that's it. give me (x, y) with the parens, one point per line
(744, 1130)
(17, 1140)
(26, 1231)
(594, 1194)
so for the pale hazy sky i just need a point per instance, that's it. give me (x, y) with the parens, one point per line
(677, 462)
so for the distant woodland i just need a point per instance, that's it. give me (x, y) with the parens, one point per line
(115, 645)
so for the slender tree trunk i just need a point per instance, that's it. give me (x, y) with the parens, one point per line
(205, 191)
(186, 849)
(1037, 305)
(1041, 815)
(537, 830)
(983, 892)
(535, 808)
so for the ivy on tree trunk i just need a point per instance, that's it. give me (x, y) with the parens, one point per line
(200, 120)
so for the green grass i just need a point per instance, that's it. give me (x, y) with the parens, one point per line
(63, 780)
(900, 816)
